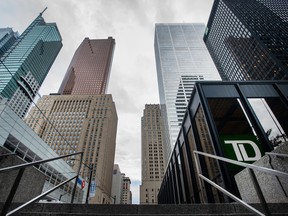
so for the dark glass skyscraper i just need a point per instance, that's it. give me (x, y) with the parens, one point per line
(24, 66)
(248, 39)
(89, 70)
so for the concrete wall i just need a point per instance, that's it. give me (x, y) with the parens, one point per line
(275, 189)
(31, 183)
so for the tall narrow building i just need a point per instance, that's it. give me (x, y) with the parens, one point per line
(181, 59)
(24, 66)
(89, 70)
(153, 157)
(83, 118)
(116, 184)
(248, 39)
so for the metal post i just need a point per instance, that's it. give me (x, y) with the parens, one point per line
(259, 192)
(12, 192)
(75, 185)
(89, 184)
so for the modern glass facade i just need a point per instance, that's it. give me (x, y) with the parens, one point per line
(236, 120)
(7, 39)
(89, 70)
(25, 65)
(247, 39)
(181, 59)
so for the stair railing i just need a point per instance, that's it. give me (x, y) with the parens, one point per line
(251, 168)
(21, 168)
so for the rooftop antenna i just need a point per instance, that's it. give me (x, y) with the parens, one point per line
(43, 11)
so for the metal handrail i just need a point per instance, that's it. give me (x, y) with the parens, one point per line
(40, 196)
(250, 167)
(276, 154)
(8, 154)
(232, 196)
(6, 169)
(21, 168)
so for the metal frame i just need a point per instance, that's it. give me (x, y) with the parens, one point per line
(251, 168)
(21, 168)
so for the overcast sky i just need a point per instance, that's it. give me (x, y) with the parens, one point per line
(133, 79)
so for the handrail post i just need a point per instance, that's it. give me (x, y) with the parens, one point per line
(259, 192)
(78, 172)
(12, 192)
(202, 195)
(89, 184)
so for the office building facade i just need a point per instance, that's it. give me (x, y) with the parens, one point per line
(248, 39)
(24, 66)
(89, 70)
(121, 192)
(236, 120)
(181, 59)
(76, 123)
(153, 157)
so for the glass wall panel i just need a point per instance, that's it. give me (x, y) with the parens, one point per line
(237, 136)
(196, 184)
(273, 116)
(212, 166)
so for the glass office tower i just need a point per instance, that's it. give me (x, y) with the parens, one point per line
(25, 65)
(89, 70)
(247, 39)
(181, 59)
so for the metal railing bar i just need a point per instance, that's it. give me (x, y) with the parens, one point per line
(276, 154)
(6, 169)
(241, 202)
(251, 166)
(75, 185)
(40, 196)
(9, 154)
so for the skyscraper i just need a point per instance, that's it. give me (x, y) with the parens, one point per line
(181, 59)
(24, 66)
(83, 118)
(247, 39)
(7, 39)
(153, 157)
(89, 70)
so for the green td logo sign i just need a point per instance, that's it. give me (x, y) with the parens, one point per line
(241, 152)
(244, 148)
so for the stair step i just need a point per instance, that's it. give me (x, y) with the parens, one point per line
(57, 209)
(92, 214)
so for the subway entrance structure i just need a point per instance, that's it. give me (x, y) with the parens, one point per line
(235, 120)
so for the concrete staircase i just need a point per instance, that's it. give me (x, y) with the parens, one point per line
(39, 209)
